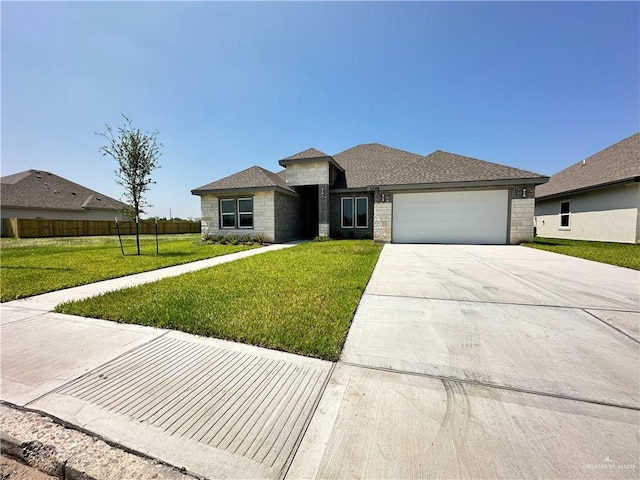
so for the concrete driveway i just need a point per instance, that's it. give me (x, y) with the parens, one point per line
(484, 362)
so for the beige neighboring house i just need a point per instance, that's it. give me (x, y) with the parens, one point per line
(375, 191)
(596, 199)
(41, 194)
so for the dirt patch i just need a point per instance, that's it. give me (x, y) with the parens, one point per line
(10, 469)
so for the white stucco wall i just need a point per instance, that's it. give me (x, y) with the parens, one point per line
(315, 173)
(263, 215)
(61, 214)
(606, 215)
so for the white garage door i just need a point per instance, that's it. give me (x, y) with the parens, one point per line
(478, 217)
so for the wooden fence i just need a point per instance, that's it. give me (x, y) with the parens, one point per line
(39, 228)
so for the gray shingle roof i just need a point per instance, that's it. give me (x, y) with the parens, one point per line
(374, 164)
(618, 163)
(40, 189)
(363, 164)
(445, 167)
(309, 153)
(253, 177)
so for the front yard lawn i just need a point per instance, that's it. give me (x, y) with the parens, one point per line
(32, 266)
(620, 254)
(300, 300)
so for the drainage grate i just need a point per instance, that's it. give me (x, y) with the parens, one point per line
(245, 404)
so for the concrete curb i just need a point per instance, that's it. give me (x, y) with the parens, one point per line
(41, 443)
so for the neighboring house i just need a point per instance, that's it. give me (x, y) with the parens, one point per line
(596, 199)
(375, 191)
(40, 194)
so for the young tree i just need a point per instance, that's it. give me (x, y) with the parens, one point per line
(137, 156)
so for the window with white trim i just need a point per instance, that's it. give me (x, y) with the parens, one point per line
(565, 215)
(236, 213)
(347, 212)
(245, 212)
(355, 212)
(362, 212)
(227, 213)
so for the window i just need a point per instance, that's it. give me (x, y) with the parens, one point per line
(245, 212)
(355, 212)
(228, 213)
(362, 212)
(565, 214)
(347, 212)
(236, 213)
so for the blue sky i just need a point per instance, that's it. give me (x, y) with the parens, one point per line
(534, 85)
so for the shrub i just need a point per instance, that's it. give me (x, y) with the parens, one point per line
(259, 238)
(321, 238)
(233, 239)
(246, 238)
(207, 237)
(221, 239)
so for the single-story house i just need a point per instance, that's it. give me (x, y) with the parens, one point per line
(40, 194)
(596, 199)
(375, 191)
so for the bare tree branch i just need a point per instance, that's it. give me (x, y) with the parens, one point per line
(136, 154)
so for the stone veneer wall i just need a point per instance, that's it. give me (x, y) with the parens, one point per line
(521, 221)
(521, 228)
(314, 173)
(287, 210)
(263, 215)
(323, 210)
(382, 217)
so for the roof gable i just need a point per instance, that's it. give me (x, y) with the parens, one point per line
(445, 167)
(618, 163)
(252, 177)
(309, 153)
(45, 190)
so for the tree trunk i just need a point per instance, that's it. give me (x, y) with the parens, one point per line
(138, 234)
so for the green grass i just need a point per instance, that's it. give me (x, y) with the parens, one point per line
(32, 266)
(300, 300)
(620, 254)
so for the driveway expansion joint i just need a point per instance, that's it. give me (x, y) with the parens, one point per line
(98, 367)
(445, 378)
(611, 326)
(493, 302)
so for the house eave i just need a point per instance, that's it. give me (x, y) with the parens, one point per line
(57, 209)
(349, 190)
(477, 183)
(235, 191)
(590, 188)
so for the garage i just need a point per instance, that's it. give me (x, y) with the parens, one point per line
(472, 217)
